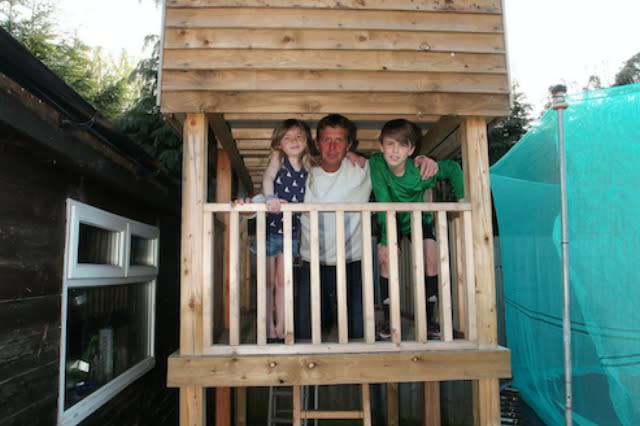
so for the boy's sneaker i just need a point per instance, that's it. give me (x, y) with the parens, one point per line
(433, 332)
(384, 333)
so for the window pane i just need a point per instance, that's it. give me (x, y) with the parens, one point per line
(97, 245)
(107, 333)
(141, 251)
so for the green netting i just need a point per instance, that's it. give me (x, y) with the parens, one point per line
(602, 145)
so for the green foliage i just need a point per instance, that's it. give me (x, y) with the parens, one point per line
(630, 72)
(143, 122)
(505, 132)
(95, 77)
(594, 83)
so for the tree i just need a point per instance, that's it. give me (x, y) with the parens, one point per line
(593, 83)
(505, 132)
(143, 122)
(96, 78)
(630, 72)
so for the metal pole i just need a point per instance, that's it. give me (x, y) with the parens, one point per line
(559, 104)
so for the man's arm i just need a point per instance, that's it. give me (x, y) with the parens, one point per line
(452, 171)
(356, 159)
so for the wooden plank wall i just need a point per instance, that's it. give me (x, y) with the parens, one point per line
(32, 234)
(416, 56)
(260, 61)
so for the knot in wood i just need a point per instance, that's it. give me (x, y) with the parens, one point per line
(311, 365)
(273, 364)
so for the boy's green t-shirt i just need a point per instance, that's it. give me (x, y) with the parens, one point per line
(409, 188)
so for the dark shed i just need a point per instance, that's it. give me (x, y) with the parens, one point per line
(58, 155)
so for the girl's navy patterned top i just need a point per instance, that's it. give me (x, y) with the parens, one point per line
(288, 185)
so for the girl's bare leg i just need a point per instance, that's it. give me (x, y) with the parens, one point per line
(279, 295)
(271, 286)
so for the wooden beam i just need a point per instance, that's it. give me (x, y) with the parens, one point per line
(431, 405)
(263, 135)
(324, 369)
(471, 6)
(194, 189)
(192, 409)
(223, 135)
(223, 194)
(392, 404)
(478, 193)
(176, 122)
(382, 61)
(331, 19)
(334, 80)
(486, 399)
(486, 402)
(439, 135)
(293, 38)
(223, 406)
(376, 119)
(347, 103)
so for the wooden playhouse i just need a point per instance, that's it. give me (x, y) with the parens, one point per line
(230, 71)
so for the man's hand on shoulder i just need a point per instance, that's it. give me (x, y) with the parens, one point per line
(356, 159)
(428, 167)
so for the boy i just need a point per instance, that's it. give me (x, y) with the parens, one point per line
(394, 178)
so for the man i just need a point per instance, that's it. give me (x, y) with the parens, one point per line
(336, 180)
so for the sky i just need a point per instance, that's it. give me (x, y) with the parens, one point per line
(549, 41)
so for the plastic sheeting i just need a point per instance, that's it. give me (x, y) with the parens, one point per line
(602, 145)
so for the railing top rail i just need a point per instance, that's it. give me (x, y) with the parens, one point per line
(344, 207)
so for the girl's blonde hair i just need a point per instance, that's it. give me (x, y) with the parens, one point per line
(281, 130)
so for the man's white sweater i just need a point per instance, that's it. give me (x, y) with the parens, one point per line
(349, 184)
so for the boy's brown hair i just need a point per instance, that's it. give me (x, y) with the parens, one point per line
(404, 131)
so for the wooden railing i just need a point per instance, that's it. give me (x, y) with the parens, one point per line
(455, 271)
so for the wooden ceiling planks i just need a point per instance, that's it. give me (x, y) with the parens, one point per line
(256, 62)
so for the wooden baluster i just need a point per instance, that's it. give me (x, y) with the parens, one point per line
(444, 277)
(341, 280)
(394, 285)
(261, 278)
(316, 323)
(470, 278)
(287, 229)
(419, 302)
(367, 279)
(234, 282)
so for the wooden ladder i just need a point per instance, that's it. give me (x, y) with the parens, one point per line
(364, 413)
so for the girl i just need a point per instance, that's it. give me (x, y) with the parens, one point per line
(283, 181)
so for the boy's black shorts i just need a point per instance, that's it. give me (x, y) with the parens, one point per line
(427, 232)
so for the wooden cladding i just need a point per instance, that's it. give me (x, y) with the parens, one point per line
(273, 47)
(336, 19)
(485, 6)
(233, 38)
(256, 59)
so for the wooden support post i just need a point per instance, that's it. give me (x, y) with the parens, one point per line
(223, 194)
(192, 410)
(486, 402)
(241, 406)
(431, 403)
(392, 404)
(194, 173)
(476, 166)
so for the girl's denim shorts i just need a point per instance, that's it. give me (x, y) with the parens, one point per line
(275, 245)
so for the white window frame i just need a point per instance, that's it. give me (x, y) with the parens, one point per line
(83, 275)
